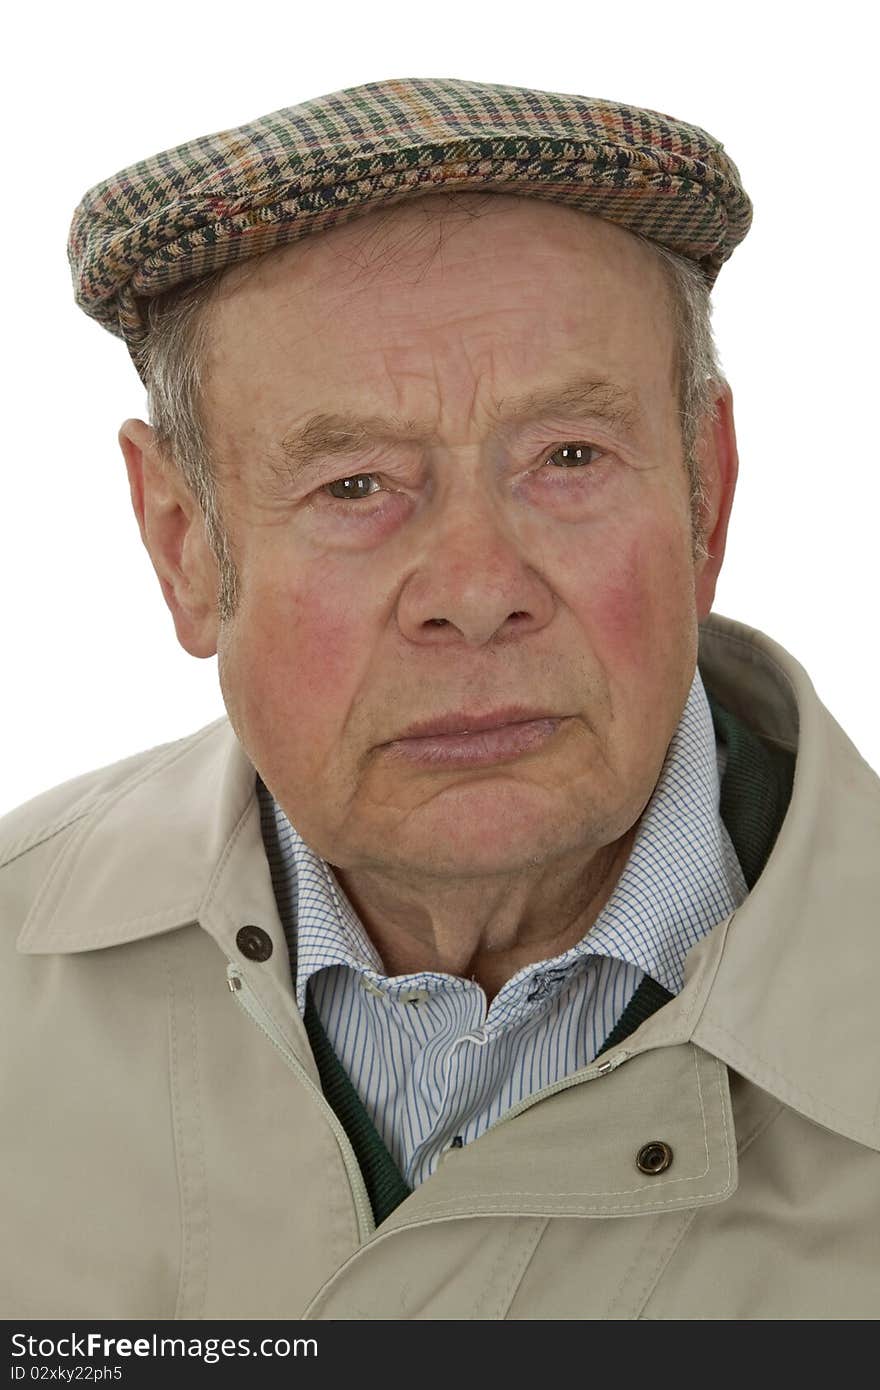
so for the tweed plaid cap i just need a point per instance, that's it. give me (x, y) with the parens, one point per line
(223, 198)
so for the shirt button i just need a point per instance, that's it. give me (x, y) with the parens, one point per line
(254, 943)
(654, 1158)
(371, 988)
(446, 1154)
(415, 996)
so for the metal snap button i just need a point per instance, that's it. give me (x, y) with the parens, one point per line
(654, 1158)
(254, 943)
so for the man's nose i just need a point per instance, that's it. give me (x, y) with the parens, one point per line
(475, 573)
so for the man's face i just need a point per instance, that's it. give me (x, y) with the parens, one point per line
(467, 567)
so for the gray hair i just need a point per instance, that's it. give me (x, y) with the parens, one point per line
(175, 355)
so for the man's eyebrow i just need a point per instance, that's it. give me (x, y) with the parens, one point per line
(326, 434)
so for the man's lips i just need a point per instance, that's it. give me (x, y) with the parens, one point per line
(495, 744)
(467, 722)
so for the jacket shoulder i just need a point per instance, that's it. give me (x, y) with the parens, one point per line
(50, 812)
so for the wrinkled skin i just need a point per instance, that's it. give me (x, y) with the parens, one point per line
(477, 572)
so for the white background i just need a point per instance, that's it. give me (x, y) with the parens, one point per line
(92, 668)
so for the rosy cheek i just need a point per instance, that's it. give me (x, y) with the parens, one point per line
(626, 610)
(314, 642)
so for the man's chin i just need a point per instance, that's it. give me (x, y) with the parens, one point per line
(492, 835)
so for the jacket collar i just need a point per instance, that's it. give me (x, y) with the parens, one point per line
(782, 991)
(791, 1002)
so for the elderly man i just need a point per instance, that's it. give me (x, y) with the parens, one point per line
(509, 951)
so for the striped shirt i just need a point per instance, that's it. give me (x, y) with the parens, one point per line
(431, 1062)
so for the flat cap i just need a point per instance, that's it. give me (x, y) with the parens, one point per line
(223, 198)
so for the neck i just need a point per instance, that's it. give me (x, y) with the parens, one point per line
(485, 930)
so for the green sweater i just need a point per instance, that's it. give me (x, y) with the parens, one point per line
(755, 792)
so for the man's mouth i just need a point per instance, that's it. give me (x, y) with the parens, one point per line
(476, 748)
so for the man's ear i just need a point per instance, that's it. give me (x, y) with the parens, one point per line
(172, 530)
(719, 462)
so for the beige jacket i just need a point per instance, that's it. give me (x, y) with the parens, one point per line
(167, 1151)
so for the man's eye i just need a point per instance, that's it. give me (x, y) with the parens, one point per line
(351, 487)
(573, 455)
(576, 456)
